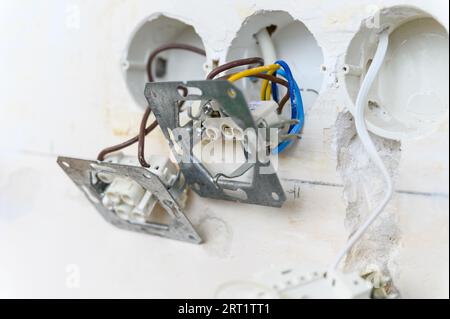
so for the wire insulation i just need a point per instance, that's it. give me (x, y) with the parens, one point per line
(234, 64)
(266, 46)
(253, 71)
(101, 156)
(297, 111)
(265, 91)
(141, 139)
(368, 144)
(272, 79)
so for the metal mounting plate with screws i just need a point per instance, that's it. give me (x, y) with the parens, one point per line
(164, 99)
(83, 172)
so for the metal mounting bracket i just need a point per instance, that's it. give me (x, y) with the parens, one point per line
(164, 98)
(83, 172)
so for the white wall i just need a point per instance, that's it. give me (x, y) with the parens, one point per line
(62, 92)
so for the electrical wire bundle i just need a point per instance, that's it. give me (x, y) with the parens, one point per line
(272, 73)
(297, 110)
(269, 73)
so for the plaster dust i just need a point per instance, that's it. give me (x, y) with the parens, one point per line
(75, 101)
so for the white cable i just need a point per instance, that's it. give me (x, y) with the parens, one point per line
(370, 148)
(268, 52)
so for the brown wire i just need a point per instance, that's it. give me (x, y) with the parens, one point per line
(234, 64)
(220, 69)
(141, 138)
(271, 78)
(101, 156)
(170, 46)
(143, 131)
(142, 134)
(282, 82)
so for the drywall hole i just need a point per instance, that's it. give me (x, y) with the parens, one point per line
(170, 65)
(409, 98)
(292, 42)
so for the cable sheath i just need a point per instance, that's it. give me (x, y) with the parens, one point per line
(368, 144)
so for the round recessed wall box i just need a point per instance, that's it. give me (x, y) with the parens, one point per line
(171, 65)
(292, 42)
(409, 98)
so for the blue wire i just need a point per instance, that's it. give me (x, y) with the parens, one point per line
(288, 75)
(297, 110)
(294, 108)
(274, 89)
(297, 127)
